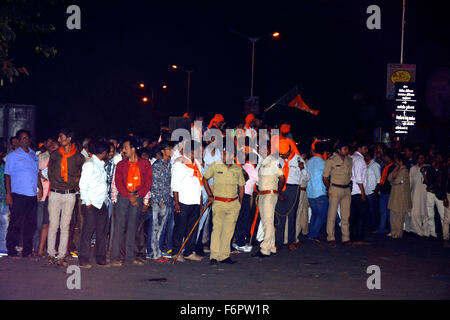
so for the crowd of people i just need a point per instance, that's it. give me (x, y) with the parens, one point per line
(137, 200)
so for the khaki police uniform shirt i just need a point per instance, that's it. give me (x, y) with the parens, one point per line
(226, 179)
(269, 172)
(339, 170)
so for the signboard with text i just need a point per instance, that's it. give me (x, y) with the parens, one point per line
(405, 107)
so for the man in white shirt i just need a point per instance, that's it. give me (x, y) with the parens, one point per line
(94, 197)
(373, 179)
(358, 207)
(186, 185)
(295, 172)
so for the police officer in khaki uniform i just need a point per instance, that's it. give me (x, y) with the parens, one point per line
(336, 177)
(271, 182)
(228, 178)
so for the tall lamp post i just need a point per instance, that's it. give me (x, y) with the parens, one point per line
(253, 40)
(188, 71)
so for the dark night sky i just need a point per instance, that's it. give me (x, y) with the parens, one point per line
(324, 48)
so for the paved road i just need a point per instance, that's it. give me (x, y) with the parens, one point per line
(411, 268)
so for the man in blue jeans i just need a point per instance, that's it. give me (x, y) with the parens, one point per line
(384, 190)
(317, 192)
(160, 198)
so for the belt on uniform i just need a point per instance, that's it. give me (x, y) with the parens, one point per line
(225, 199)
(63, 191)
(341, 186)
(268, 191)
(303, 189)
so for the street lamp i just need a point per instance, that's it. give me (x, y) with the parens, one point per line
(175, 67)
(253, 40)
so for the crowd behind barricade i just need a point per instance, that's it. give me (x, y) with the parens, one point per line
(137, 200)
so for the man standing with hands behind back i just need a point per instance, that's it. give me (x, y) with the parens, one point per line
(338, 169)
(226, 206)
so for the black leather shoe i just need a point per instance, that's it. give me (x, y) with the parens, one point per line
(262, 255)
(228, 261)
(213, 262)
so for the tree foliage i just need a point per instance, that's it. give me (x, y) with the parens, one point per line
(23, 17)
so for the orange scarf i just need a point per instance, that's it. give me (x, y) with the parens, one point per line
(134, 176)
(385, 173)
(197, 172)
(322, 156)
(286, 168)
(64, 166)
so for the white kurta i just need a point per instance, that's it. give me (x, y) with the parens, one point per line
(416, 221)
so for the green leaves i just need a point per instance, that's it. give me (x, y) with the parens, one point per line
(24, 15)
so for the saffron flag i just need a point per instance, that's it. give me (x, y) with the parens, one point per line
(294, 99)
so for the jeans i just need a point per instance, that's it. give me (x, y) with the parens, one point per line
(319, 208)
(384, 214)
(290, 204)
(4, 209)
(184, 222)
(166, 238)
(373, 220)
(358, 218)
(23, 214)
(42, 219)
(95, 220)
(126, 218)
(149, 217)
(158, 221)
(242, 231)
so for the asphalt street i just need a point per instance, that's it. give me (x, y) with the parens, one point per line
(410, 268)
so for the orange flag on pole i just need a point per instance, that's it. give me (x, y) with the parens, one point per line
(298, 103)
(294, 99)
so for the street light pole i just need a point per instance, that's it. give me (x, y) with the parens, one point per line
(253, 40)
(403, 33)
(188, 89)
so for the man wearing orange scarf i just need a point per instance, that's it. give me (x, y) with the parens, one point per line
(186, 185)
(285, 130)
(133, 179)
(64, 171)
(383, 189)
(294, 172)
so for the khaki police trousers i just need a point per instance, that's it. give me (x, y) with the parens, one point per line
(267, 203)
(343, 197)
(225, 215)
